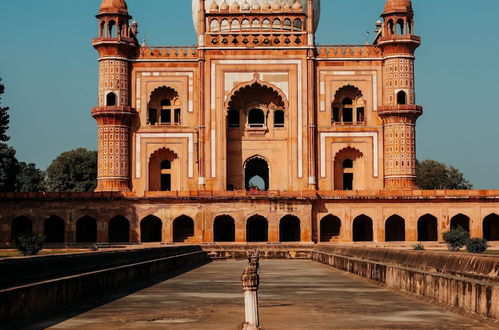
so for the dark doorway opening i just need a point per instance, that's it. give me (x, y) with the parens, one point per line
(491, 227)
(330, 227)
(183, 229)
(21, 225)
(427, 228)
(256, 174)
(395, 229)
(224, 229)
(119, 230)
(289, 229)
(151, 229)
(54, 230)
(362, 229)
(257, 229)
(86, 230)
(460, 220)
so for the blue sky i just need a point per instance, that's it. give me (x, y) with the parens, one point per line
(50, 71)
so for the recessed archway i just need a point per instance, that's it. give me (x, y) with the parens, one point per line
(21, 225)
(256, 174)
(119, 230)
(151, 229)
(427, 228)
(224, 229)
(183, 229)
(491, 227)
(289, 229)
(257, 228)
(362, 229)
(86, 230)
(460, 220)
(330, 227)
(395, 229)
(54, 229)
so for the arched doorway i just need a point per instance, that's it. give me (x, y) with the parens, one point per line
(460, 220)
(250, 107)
(257, 228)
(362, 229)
(54, 229)
(21, 225)
(183, 229)
(151, 229)
(256, 174)
(224, 229)
(330, 227)
(491, 227)
(86, 230)
(289, 229)
(395, 229)
(348, 170)
(163, 171)
(427, 228)
(119, 230)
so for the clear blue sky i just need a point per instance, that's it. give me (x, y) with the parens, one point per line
(50, 71)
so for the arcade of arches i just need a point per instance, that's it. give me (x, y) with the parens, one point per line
(232, 221)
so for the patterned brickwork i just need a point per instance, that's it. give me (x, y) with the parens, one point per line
(113, 77)
(399, 75)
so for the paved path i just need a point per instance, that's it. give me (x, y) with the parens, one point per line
(293, 295)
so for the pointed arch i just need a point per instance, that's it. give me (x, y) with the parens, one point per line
(86, 230)
(257, 166)
(224, 229)
(290, 229)
(21, 225)
(347, 169)
(490, 227)
(427, 228)
(54, 229)
(151, 229)
(281, 100)
(330, 226)
(257, 229)
(460, 220)
(183, 229)
(395, 229)
(162, 177)
(362, 229)
(118, 230)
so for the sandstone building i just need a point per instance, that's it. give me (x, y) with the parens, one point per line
(258, 134)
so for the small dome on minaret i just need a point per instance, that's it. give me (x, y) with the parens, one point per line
(113, 7)
(398, 6)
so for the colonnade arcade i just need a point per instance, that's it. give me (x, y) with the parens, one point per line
(256, 228)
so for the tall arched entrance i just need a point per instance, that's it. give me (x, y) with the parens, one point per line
(251, 125)
(289, 229)
(257, 229)
(54, 229)
(21, 225)
(164, 171)
(183, 229)
(330, 227)
(491, 227)
(151, 229)
(427, 228)
(256, 174)
(119, 230)
(86, 230)
(224, 229)
(460, 220)
(362, 229)
(395, 229)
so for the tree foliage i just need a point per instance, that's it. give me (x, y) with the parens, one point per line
(456, 238)
(4, 116)
(9, 166)
(431, 174)
(29, 178)
(73, 171)
(477, 245)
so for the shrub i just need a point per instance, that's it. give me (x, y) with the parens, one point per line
(456, 238)
(29, 244)
(419, 247)
(477, 245)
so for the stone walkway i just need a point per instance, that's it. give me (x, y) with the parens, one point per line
(293, 295)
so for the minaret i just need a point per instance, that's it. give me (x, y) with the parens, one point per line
(115, 44)
(399, 111)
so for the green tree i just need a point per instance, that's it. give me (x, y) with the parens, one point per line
(73, 171)
(29, 178)
(431, 174)
(9, 167)
(4, 116)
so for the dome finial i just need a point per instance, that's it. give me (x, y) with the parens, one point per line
(398, 6)
(113, 7)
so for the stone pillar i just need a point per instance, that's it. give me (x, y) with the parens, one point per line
(250, 281)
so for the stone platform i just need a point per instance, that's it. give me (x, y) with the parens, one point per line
(294, 294)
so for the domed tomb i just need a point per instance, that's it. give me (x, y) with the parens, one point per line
(284, 7)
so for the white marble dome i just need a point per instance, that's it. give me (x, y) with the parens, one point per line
(253, 3)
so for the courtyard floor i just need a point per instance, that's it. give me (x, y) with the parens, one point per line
(293, 295)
